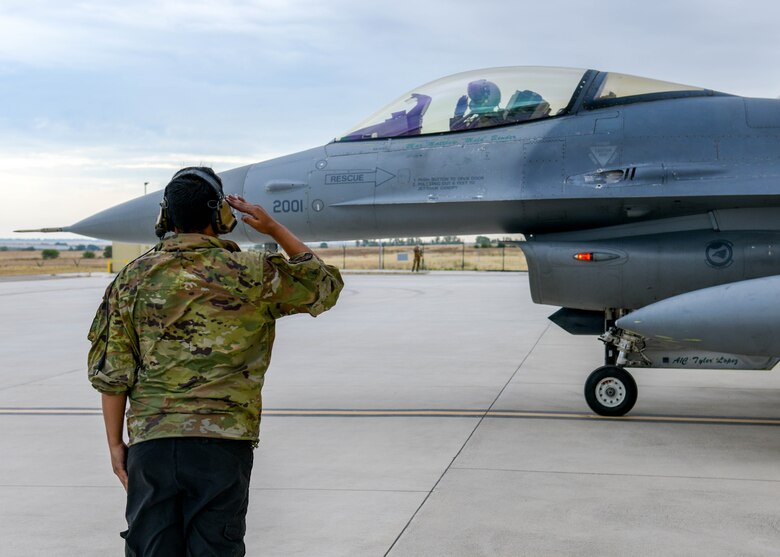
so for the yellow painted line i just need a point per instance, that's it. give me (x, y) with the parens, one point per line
(637, 418)
(438, 413)
(555, 415)
(694, 419)
(369, 413)
(51, 411)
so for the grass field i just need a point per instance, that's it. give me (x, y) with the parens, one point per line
(32, 263)
(436, 258)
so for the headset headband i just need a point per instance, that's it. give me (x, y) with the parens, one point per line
(205, 176)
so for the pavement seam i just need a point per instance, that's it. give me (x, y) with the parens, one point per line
(40, 379)
(463, 446)
(614, 474)
(25, 292)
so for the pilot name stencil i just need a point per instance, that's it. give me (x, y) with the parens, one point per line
(705, 360)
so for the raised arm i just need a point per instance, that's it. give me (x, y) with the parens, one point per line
(259, 219)
(302, 284)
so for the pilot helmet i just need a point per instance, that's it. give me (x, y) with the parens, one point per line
(484, 95)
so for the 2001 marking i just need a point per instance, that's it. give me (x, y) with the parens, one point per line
(288, 206)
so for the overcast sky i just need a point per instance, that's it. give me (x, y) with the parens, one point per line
(101, 96)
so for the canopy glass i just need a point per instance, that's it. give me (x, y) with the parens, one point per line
(494, 97)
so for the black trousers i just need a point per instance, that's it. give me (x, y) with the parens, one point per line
(187, 496)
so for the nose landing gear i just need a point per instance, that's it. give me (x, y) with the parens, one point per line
(611, 390)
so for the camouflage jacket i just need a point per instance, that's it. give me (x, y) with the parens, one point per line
(187, 332)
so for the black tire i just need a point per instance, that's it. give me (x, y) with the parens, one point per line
(611, 391)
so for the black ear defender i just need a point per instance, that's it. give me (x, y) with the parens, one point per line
(223, 220)
(163, 223)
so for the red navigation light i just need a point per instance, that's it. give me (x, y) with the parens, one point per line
(584, 256)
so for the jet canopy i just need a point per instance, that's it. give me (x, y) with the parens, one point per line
(500, 96)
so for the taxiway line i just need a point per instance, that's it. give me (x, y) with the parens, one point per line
(419, 413)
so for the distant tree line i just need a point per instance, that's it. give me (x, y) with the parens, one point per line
(410, 241)
(50, 253)
(84, 247)
(479, 242)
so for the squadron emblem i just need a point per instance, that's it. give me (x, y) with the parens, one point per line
(719, 254)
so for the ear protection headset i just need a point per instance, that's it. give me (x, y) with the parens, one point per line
(222, 218)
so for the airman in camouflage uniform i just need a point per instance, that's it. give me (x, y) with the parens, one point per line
(199, 315)
(418, 259)
(185, 334)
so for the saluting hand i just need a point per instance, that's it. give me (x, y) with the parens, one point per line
(254, 215)
(257, 217)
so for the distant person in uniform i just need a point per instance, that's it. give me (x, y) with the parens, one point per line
(185, 334)
(418, 259)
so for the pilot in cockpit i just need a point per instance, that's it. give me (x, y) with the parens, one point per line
(478, 109)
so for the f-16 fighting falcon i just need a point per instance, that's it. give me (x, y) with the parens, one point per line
(651, 209)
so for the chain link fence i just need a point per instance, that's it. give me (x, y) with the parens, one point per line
(436, 257)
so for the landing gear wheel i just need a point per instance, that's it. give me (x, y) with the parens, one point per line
(610, 391)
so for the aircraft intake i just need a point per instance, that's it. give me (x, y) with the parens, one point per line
(630, 273)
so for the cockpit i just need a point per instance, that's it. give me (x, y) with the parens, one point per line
(502, 96)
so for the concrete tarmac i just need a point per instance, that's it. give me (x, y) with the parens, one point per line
(432, 414)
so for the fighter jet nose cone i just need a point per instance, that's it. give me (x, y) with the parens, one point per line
(132, 221)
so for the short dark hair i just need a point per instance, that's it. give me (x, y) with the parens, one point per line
(188, 200)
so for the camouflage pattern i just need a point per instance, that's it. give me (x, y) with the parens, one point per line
(190, 329)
